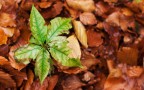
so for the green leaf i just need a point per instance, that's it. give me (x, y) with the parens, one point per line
(37, 25)
(58, 26)
(42, 65)
(60, 53)
(33, 40)
(26, 53)
(138, 1)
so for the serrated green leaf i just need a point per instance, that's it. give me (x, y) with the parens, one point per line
(60, 53)
(58, 26)
(27, 52)
(42, 66)
(37, 25)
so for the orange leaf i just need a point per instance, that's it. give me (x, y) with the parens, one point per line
(3, 37)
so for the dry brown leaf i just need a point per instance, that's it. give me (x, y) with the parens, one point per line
(120, 19)
(7, 20)
(94, 38)
(135, 71)
(75, 47)
(128, 55)
(74, 13)
(8, 31)
(101, 8)
(6, 80)
(88, 18)
(72, 83)
(48, 84)
(4, 50)
(30, 79)
(84, 5)
(80, 32)
(45, 4)
(52, 82)
(17, 75)
(53, 11)
(3, 37)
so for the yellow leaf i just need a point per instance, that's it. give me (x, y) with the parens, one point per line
(80, 32)
(75, 47)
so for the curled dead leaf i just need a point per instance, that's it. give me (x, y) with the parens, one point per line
(128, 55)
(80, 32)
(75, 47)
(84, 5)
(88, 18)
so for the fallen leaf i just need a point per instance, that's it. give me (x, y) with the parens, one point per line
(48, 84)
(29, 81)
(45, 4)
(88, 18)
(6, 80)
(71, 82)
(128, 55)
(75, 47)
(3, 37)
(84, 5)
(80, 32)
(94, 38)
(56, 9)
(15, 74)
(101, 8)
(7, 20)
(73, 13)
(4, 50)
(8, 31)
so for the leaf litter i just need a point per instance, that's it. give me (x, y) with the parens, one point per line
(105, 36)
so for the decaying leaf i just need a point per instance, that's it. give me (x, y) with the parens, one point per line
(128, 55)
(88, 18)
(80, 32)
(84, 5)
(75, 47)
